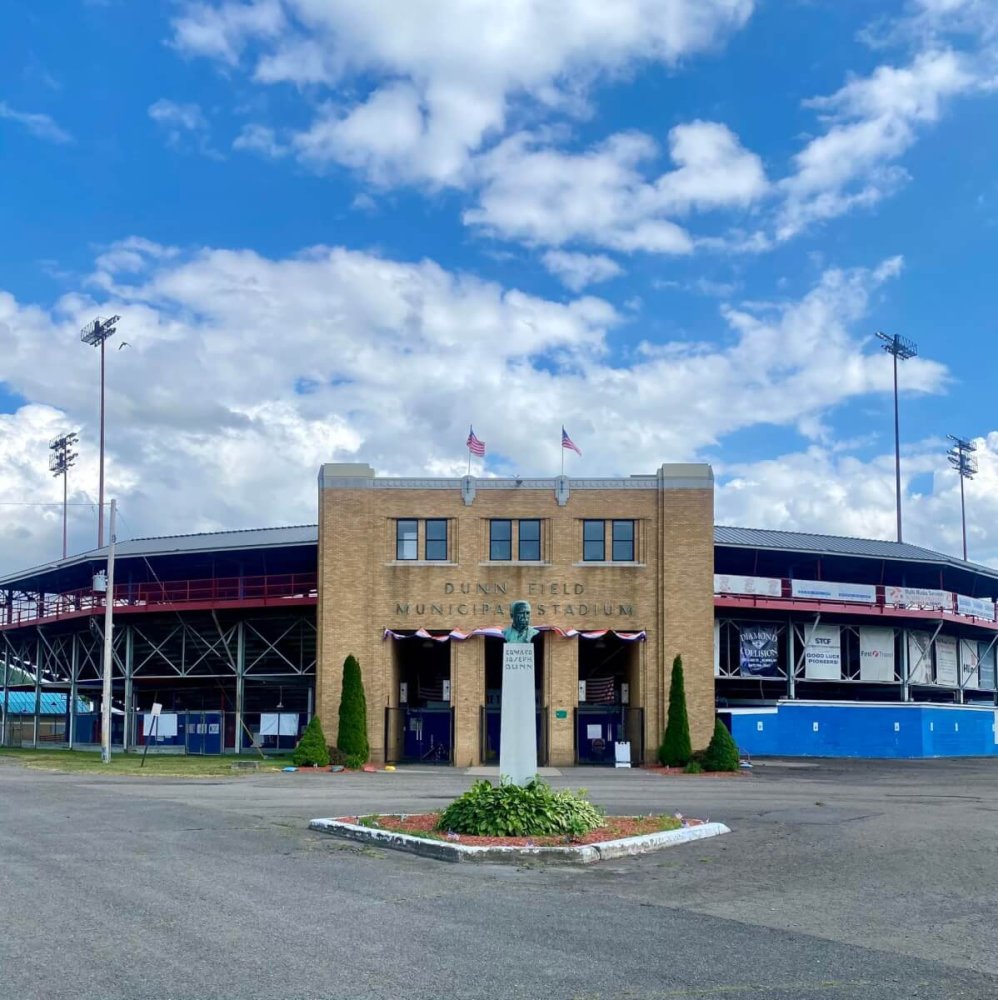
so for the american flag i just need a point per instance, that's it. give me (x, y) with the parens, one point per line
(600, 689)
(567, 442)
(475, 446)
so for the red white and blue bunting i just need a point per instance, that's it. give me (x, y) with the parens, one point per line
(497, 633)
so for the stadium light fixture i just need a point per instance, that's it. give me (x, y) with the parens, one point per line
(60, 462)
(961, 457)
(95, 334)
(899, 347)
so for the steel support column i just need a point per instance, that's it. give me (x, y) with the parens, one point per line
(129, 708)
(38, 690)
(240, 682)
(74, 666)
(791, 680)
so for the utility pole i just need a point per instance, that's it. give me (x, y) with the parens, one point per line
(902, 348)
(59, 465)
(95, 334)
(961, 457)
(105, 722)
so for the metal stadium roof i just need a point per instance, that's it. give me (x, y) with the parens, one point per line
(207, 541)
(868, 548)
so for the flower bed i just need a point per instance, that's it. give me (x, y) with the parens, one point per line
(615, 828)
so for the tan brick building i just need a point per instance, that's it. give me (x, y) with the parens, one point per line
(424, 558)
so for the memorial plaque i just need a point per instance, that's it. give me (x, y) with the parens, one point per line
(518, 727)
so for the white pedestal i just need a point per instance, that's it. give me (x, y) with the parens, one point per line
(518, 727)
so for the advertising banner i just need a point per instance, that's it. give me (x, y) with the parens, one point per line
(876, 654)
(986, 666)
(979, 607)
(946, 669)
(920, 657)
(970, 674)
(823, 653)
(919, 597)
(759, 651)
(857, 593)
(753, 586)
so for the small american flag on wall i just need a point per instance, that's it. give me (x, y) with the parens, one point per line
(600, 690)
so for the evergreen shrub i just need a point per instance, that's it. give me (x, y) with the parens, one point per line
(508, 810)
(352, 736)
(354, 761)
(693, 767)
(722, 751)
(676, 749)
(311, 749)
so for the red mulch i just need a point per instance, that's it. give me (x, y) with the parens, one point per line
(615, 828)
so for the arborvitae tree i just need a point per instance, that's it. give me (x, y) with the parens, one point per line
(352, 738)
(676, 749)
(311, 747)
(722, 752)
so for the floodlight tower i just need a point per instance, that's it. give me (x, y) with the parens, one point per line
(961, 457)
(59, 464)
(95, 334)
(899, 347)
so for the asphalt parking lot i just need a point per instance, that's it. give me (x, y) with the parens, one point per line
(839, 879)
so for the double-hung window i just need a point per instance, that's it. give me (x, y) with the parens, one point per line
(500, 540)
(436, 539)
(622, 549)
(593, 541)
(407, 538)
(529, 541)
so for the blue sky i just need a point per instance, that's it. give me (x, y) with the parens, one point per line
(345, 232)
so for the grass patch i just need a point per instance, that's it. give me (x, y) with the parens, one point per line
(156, 764)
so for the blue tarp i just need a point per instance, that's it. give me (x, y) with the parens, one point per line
(52, 703)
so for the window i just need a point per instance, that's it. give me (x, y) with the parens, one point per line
(623, 541)
(406, 539)
(436, 539)
(593, 547)
(501, 540)
(529, 547)
(622, 547)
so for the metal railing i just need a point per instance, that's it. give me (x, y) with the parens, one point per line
(24, 609)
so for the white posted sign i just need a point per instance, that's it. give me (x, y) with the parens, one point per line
(518, 725)
(946, 661)
(920, 657)
(876, 654)
(823, 653)
(970, 664)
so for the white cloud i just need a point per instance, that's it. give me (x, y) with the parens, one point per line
(40, 126)
(577, 270)
(872, 122)
(602, 197)
(245, 373)
(184, 125)
(450, 71)
(260, 139)
(821, 491)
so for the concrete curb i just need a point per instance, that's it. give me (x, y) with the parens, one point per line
(583, 855)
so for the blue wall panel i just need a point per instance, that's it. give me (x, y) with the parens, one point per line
(801, 729)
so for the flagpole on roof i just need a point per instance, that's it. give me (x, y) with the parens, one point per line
(562, 450)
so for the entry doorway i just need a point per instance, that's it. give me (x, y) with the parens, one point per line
(608, 693)
(421, 729)
(491, 722)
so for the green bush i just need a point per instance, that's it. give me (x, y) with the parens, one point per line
(336, 755)
(693, 767)
(508, 810)
(676, 749)
(354, 761)
(352, 736)
(722, 751)
(311, 749)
